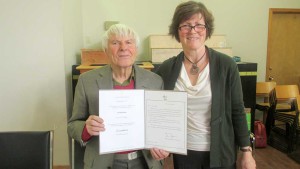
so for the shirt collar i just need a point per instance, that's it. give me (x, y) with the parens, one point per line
(126, 82)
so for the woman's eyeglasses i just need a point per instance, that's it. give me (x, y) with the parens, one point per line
(188, 28)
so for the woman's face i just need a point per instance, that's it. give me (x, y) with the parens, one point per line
(194, 38)
(121, 51)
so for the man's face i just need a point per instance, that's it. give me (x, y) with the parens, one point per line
(121, 51)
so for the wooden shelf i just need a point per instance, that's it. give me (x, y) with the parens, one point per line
(85, 68)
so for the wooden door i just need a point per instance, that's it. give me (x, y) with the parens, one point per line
(283, 55)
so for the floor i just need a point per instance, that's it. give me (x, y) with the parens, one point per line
(266, 158)
(271, 158)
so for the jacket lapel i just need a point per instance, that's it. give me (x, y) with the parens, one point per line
(105, 78)
(140, 81)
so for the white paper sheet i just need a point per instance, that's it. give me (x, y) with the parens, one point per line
(166, 120)
(138, 119)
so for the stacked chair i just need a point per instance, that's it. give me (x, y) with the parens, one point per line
(297, 123)
(284, 119)
(295, 154)
(265, 92)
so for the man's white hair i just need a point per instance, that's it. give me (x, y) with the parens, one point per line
(119, 30)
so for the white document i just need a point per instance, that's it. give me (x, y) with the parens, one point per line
(143, 119)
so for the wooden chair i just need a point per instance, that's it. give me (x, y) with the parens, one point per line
(294, 120)
(296, 132)
(284, 96)
(284, 117)
(265, 91)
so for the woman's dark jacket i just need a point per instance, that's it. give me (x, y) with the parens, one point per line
(228, 120)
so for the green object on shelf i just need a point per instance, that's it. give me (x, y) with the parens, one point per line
(236, 58)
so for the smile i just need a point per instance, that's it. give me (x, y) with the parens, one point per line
(192, 38)
(124, 55)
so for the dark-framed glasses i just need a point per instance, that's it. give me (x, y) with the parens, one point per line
(188, 28)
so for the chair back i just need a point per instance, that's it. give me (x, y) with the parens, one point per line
(265, 87)
(271, 110)
(297, 107)
(298, 103)
(266, 90)
(286, 92)
(26, 149)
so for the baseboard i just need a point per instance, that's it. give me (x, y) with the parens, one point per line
(61, 167)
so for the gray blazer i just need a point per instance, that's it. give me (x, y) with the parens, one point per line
(86, 103)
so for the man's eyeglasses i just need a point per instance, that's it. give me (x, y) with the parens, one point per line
(188, 28)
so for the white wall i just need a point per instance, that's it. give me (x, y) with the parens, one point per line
(41, 39)
(33, 92)
(73, 42)
(245, 23)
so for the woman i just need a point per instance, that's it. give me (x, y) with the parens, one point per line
(120, 44)
(216, 119)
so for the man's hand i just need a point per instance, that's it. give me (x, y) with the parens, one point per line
(159, 154)
(94, 125)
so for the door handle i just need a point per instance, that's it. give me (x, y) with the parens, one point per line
(271, 78)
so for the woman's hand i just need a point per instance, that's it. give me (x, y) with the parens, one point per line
(159, 154)
(247, 161)
(94, 125)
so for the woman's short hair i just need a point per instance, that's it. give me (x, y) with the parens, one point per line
(119, 30)
(185, 11)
